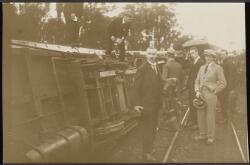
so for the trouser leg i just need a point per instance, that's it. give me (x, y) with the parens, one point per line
(223, 99)
(122, 51)
(148, 131)
(201, 116)
(193, 112)
(211, 101)
(109, 47)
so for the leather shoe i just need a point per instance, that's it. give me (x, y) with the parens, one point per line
(191, 126)
(148, 158)
(223, 121)
(210, 141)
(200, 137)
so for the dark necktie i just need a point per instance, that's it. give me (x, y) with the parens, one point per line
(206, 69)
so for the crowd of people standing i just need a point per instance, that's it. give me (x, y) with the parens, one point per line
(210, 78)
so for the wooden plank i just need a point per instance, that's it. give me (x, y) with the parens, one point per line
(59, 48)
(34, 89)
(80, 83)
(109, 73)
(101, 97)
(21, 100)
(72, 49)
(110, 98)
(60, 92)
(121, 97)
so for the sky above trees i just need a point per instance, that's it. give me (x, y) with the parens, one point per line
(220, 23)
(223, 24)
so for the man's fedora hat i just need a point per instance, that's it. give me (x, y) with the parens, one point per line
(209, 52)
(199, 103)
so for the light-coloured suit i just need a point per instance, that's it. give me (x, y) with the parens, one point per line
(209, 83)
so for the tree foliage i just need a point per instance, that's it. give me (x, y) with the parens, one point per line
(95, 23)
(27, 24)
(155, 19)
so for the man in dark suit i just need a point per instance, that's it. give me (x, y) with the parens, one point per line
(147, 101)
(229, 68)
(195, 66)
(72, 29)
(117, 33)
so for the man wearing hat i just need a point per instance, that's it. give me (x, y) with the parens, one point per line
(209, 82)
(117, 33)
(146, 98)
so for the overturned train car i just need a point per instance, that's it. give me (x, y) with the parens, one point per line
(64, 103)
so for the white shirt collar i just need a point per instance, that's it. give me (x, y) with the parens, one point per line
(197, 58)
(151, 63)
(153, 66)
(210, 64)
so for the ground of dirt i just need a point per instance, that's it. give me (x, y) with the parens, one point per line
(128, 149)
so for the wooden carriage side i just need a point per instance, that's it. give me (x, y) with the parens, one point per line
(63, 106)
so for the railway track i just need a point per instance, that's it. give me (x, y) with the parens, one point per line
(174, 138)
(180, 147)
(234, 141)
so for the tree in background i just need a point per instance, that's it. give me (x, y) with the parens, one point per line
(26, 21)
(90, 21)
(32, 22)
(155, 22)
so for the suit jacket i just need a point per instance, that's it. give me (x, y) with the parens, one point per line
(214, 79)
(147, 88)
(229, 68)
(193, 74)
(173, 69)
(117, 29)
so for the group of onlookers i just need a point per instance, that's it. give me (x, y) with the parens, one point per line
(210, 78)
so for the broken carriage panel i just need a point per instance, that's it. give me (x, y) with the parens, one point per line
(23, 124)
(59, 92)
(99, 94)
(45, 90)
(100, 98)
(36, 111)
(85, 76)
(69, 94)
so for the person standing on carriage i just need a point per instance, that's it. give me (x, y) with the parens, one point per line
(146, 99)
(73, 29)
(117, 33)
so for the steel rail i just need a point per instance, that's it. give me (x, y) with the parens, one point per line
(174, 138)
(238, 142)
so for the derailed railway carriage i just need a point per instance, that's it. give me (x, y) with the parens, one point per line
(65, 103)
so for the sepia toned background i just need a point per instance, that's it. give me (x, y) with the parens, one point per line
(63, 103)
